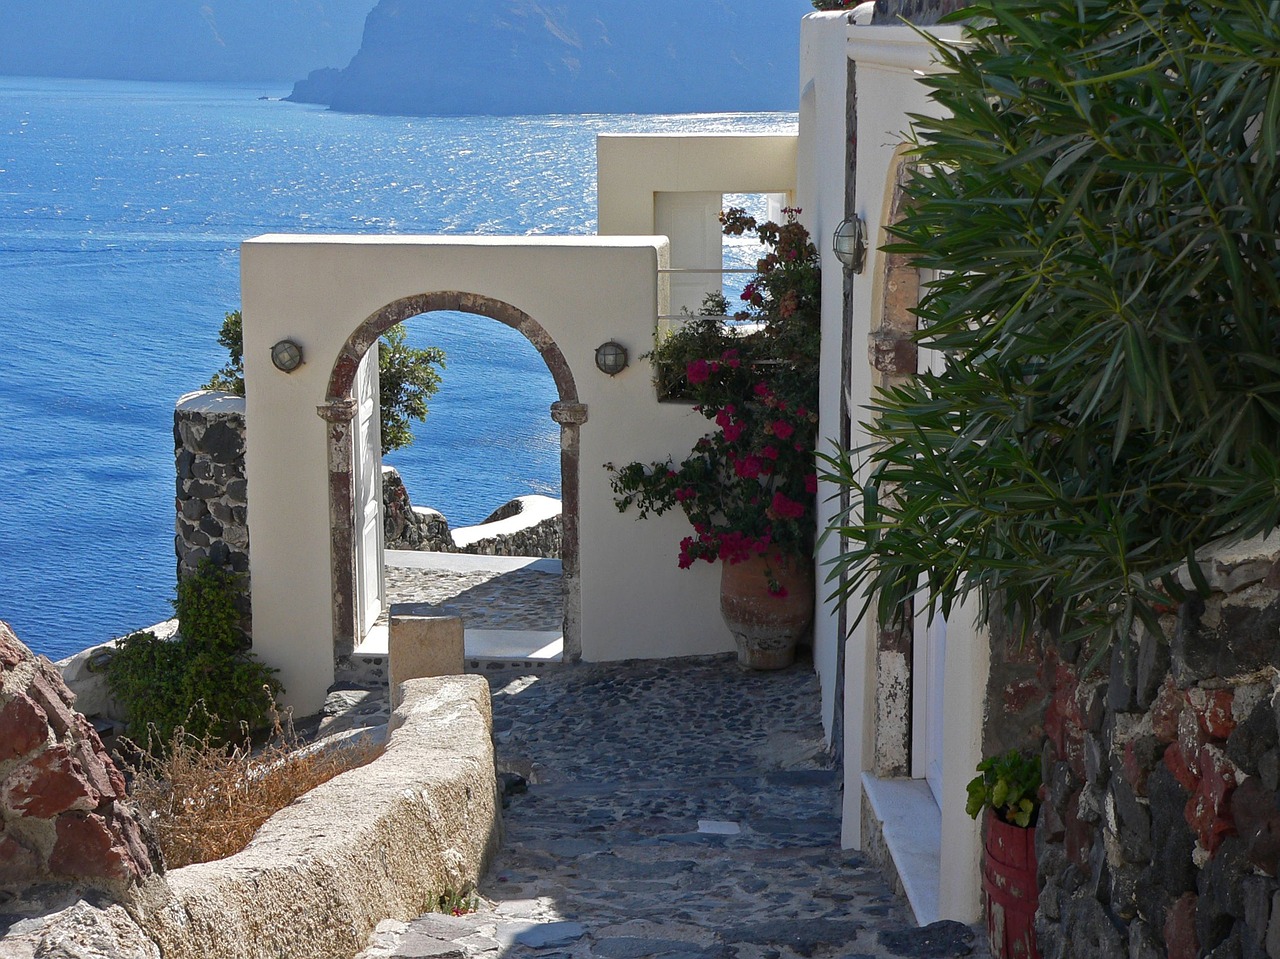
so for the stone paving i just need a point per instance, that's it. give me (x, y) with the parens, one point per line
(683, 809)
(486, 599)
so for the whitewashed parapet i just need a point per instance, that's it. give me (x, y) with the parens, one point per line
(212, 494)
(526, 526)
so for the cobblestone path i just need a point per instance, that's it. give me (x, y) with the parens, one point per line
(681, 809)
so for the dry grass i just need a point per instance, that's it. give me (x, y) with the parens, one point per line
(205, 802)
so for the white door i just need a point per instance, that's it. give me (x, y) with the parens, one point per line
(367, 450)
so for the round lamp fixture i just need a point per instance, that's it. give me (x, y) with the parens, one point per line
(850, 244)
(286, 356)
(611, 357)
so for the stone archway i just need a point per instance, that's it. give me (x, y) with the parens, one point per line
(339, 410)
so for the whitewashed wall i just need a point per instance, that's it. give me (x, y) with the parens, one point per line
(583, 291)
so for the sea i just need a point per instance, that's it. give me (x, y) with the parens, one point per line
(122, 207)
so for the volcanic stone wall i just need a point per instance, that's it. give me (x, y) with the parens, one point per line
(64, 817)
(1160, 833)
(212, 494)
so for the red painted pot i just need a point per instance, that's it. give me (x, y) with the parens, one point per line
(766, 626)
(1009, 880)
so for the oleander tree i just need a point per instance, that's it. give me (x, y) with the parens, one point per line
(1101, 202)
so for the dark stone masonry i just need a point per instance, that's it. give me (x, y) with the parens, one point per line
(212, 496)
(1160, 830)
(65, 820)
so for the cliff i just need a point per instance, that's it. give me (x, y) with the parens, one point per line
(512, 57)
(231, 40)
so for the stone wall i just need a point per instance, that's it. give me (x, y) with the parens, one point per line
(1160, 833)
(406, 526)
(526, 526)
(383, 840)
(212, 495)
(65, 822)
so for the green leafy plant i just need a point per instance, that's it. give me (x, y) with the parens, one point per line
(454, 903)
(747, 488)
(204, 680)
(1009, 785)
(1101, 205)
(230, 378)
(408, 376)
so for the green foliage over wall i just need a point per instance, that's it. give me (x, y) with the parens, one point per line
(407, 378)
(1102, 204)
(205, 680)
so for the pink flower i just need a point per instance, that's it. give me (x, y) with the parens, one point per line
(698, 371)
(782, 429)
(733, 432)
(724, 418)
(785, 507)
(686, 559)
(769, 452)
(762, 390)
(748, 467)
(684, 493)
(730, 358)
(811, 483)
(778, 590)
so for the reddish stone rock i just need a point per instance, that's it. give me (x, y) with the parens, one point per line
(1212, 709)
(1019, 695)
(18, 864)
(1176, 763)
(1208, 812)
(1180, 928)
(1136, 762)
(1190, 739)
(12, 652)
(87, 848)
(50, 698)
(94, 768)
(22, 728)
(1165, 711)
(135, 842)
(92, 745)
(50, 784)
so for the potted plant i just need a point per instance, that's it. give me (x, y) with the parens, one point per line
(1007, 788)
(748, 486)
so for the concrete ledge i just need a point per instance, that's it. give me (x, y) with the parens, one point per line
(378, 842)
(902, 832)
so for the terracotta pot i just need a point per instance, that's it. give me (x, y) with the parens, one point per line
(1009, 880)
(766, 627)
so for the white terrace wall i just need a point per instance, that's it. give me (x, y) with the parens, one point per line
(674, 185)
(820, 193)
(858, 84)
(583, 291)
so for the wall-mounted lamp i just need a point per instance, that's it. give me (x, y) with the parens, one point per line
(850, 244)
(286, 356)
(611, 357)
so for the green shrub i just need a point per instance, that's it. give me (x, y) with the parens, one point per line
(1102, 205)
(407, 378)
(205, 680)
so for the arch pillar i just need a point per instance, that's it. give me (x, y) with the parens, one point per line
(570, 416)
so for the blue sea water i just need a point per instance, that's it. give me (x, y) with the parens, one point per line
(122, 206)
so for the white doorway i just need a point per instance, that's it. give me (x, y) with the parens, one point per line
(367, 469)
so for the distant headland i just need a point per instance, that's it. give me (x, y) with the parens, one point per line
(514, 57)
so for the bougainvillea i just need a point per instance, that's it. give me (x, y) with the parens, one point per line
(748, 486)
